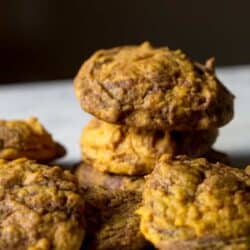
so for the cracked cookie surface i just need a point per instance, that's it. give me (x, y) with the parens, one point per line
(196, 205)
(40, 207)
(123, 150)
(153, 88)
(27, 138)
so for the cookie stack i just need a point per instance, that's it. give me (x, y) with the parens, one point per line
(149, 104)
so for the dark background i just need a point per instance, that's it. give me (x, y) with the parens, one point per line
(42, 39)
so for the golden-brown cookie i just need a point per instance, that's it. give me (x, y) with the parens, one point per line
(40, 207)
(153, 88)
(27, 138)
(196, 205)
(111, 201)
(125, 150)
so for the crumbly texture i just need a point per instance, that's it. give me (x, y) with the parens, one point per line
(40, 207)
(88, 177)
(124, 150)
(27, 138)
(196, 205)
(153, 88)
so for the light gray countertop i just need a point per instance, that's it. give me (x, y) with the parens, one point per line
(56, 107)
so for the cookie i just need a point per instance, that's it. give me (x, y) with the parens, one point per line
(153, 88)
(125, 150)
(88, 177)
(196, 205)
(40, 207)
(111, 201)
(111, 220)
(27, 138)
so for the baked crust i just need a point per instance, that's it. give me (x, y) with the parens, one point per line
(153, 88)
(124, 150)
(27, 138)
(196, 205)
(40, 207)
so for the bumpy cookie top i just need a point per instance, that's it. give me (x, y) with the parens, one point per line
(40, 207)
(27, 138)
(153, 88)
(194, 204)
(130, 151)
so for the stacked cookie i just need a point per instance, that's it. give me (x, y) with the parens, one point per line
(150, 104)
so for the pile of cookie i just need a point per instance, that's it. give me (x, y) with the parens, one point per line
(150, 105)
(40, 205)
(149, 178)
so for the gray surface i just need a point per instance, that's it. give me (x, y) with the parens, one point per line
(55, 105)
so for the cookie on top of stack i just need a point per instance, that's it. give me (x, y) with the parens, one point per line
(149, 104)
